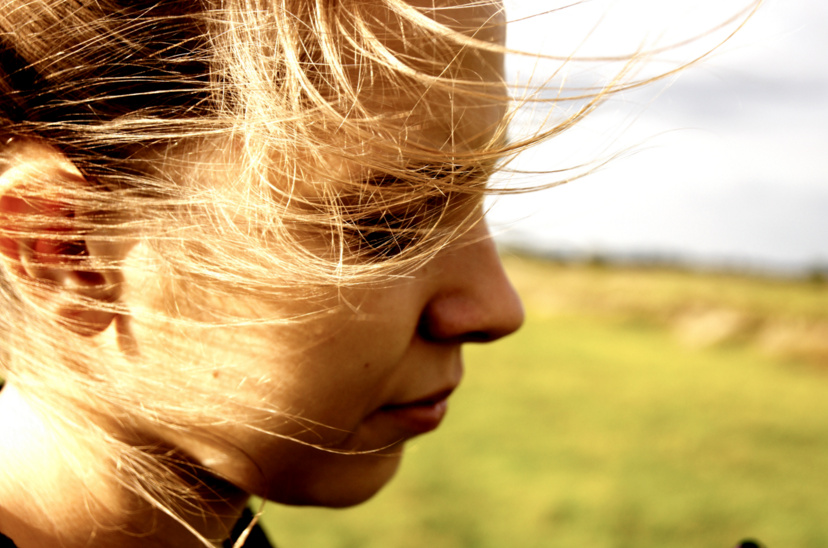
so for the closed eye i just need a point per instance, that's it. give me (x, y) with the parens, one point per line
(385, 236)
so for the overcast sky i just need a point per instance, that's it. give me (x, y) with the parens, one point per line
(730, 165)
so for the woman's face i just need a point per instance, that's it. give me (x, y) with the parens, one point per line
(341, 391)
(372, 377)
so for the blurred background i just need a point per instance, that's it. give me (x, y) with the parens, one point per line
(729, 165)
(669, 387)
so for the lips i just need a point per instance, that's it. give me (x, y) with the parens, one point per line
(419, 416)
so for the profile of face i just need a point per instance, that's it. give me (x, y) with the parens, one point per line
(357, 382)
(365, 368)
(376, 367)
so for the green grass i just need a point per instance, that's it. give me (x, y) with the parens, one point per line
(599, 425)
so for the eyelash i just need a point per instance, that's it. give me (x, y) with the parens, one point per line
(390, 233)
(385, 236)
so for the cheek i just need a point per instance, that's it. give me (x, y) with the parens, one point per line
(315, 451)
(315, 381)
(275, 409)
(338, 371)
(320, 456)
(325, 367)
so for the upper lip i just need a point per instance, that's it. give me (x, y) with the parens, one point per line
(431, 399)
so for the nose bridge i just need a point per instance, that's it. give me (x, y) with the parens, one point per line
(473, 299)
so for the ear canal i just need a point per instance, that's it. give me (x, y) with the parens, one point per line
(80, 296)
(54, 266)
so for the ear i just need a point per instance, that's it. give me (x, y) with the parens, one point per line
(43, 250)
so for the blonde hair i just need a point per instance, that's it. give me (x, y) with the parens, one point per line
(156, 102)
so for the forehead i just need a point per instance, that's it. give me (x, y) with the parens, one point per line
(419, 85)
(462, 96)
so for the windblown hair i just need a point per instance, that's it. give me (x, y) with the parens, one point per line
(223, 133)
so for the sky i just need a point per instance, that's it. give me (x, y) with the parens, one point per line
(723, 165)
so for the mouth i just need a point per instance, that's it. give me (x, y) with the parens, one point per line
(418, 416)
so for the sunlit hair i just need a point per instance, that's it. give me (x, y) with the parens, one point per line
(230, 135)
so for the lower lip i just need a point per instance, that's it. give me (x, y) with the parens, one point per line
(417, 419)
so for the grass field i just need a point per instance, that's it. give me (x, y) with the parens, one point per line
(639, 408)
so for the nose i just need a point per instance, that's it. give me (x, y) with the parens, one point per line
(473, 299)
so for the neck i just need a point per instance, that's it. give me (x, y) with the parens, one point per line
(58, 488)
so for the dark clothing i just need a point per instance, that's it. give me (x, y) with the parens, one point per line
(256, 538)
(5, 542)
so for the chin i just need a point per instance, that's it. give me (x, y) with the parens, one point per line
(351, 480)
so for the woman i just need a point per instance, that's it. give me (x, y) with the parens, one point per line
(242, 245)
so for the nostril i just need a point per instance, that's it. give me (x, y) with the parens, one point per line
(478, 337)
(428, 332)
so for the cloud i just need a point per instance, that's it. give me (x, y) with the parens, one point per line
(731, 160)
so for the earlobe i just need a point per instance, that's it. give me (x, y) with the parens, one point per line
(44, 253)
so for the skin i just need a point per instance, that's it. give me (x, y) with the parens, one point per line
(391, 346)
(341, 373)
